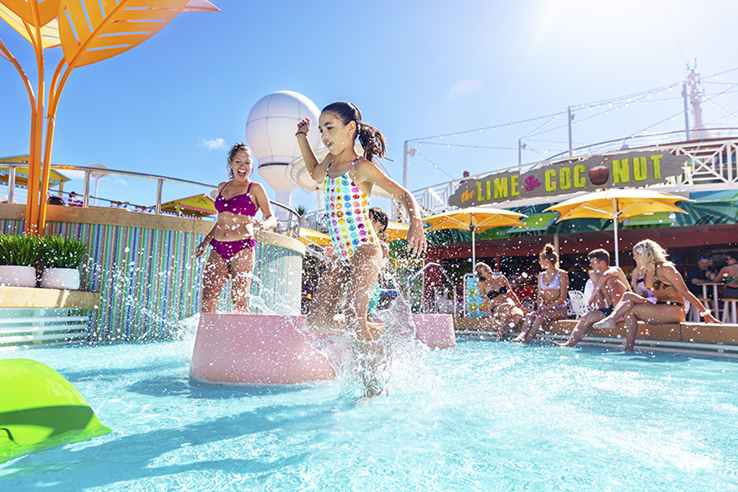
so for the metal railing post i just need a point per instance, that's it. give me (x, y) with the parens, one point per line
(159, 188)
(11, 184)
(86, 193)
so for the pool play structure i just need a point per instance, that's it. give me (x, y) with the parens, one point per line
(40, 409)
(259, 349)
(256, 349)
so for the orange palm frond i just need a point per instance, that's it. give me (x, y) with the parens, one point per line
(47, 10)
(49, 32)
(113, 27)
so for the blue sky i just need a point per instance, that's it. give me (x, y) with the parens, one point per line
(415, 68)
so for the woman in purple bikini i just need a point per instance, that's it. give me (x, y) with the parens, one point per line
(233, 235)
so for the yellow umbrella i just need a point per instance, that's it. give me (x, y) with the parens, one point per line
(396, 230)
(474, 219)
(196, 205)
(617, 205)
(311, 236)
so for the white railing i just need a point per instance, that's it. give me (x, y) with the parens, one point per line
(713, 159)
(289, 225)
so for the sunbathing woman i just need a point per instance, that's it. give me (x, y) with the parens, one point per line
(553, 289)
(659, 294)
(506, 309)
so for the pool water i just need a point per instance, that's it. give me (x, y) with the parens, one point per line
(485, 416)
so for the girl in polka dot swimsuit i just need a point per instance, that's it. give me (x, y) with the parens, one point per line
(348, 214)
(347, 180)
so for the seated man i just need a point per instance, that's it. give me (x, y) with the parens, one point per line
(728, 275)
(610, 283)
(703, 272)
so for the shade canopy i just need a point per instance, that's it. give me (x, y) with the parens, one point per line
(196, 206)
(623, 203)
(617, 205)
(474, 218)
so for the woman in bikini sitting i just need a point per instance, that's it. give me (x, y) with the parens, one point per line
(659, 294)
(505, 307)
(553, 289)
(233, 235)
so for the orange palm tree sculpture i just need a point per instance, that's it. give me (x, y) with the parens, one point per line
(88, 31)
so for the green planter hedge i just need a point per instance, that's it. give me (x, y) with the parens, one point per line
(46, 252)
(19, 250)
(61, 252)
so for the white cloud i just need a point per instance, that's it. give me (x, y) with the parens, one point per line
(465, 87)
(214, 143)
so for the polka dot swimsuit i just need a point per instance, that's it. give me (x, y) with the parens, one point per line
(348, 215)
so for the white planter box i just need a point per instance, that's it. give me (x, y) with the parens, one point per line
(17, 276)
(60, 278)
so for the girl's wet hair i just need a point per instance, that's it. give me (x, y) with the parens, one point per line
(240, 146)
(549, 253)
(371, 139)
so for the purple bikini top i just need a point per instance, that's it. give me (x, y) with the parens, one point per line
(240, 204)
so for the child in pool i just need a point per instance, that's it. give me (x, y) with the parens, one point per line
(347, 180)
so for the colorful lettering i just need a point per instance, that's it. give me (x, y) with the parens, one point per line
(656, 164)
(620, 171)
(514, 186)
(550, 182)
(579, 181)
(640, 168)
(501, 187)
(565, 178)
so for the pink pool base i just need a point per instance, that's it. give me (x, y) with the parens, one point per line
(274, 349)
(435, 330)
(256, 349)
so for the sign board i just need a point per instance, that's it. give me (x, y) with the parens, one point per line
(625, 170)
(475, 304)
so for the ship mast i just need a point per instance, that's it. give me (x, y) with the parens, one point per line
(693, 89)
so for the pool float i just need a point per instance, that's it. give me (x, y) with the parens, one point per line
(40, 409)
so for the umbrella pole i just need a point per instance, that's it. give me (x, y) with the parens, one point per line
(474, 250)
(615, 228)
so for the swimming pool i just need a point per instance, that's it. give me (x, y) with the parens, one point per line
(485, 416)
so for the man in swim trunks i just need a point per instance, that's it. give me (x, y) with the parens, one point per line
(610, 283)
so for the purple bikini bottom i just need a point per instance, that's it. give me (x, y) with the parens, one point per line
(229, 249)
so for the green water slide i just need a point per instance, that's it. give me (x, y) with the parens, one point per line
(40, 409)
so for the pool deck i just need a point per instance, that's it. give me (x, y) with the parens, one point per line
(717, 339)
(39, 298)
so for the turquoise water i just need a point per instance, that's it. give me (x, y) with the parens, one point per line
(485, 416)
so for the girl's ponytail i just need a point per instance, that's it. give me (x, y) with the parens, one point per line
(371, 140)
